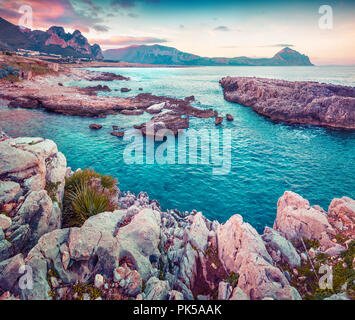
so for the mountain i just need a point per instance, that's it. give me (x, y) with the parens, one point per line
(157, 54)
(54, 40)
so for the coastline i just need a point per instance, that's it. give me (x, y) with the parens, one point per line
(144, 253)
(294, 102)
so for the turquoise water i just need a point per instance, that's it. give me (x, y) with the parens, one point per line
(267, 158)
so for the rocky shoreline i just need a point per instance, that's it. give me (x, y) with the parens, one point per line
(138, 251)
(299, 102)
(48, 93)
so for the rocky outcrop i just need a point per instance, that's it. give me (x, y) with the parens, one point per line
(296, 219)
(139, 251)
(54, 40)
(294, 102)
(32, 175)
(242, 251)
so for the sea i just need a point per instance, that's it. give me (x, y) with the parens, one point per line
(266, 158)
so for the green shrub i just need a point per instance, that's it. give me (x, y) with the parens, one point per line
(88, 201)
(87, 193)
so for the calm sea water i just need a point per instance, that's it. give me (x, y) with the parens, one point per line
(267, 158)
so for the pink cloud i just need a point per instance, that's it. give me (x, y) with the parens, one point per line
(57, 12)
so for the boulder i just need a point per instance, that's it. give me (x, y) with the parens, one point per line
(218, 120)
(157, 289)
(75, 254)
(132, 112)
(5, 222)
(224, 290)
(198, 233)
(39, 214)
(276, 243)
(242, 251)
(42, 148)
(140, 239)
(175, 295)
(238, 294)
(296, 219)
(5, 250)
(342, 207)
(129, 280)
(56, 169)
(99, 281)
(339, 296)
(155, 108)
(95, 126)
(9, 191)
(229, 117)
(15, 161)
(9, 272)
(118, 134)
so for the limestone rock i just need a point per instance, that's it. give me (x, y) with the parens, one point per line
(339, 296)
(157, 289)
(294, 101)
(15, 160)
(296, 219)
(55, 173)
(99, 281)
(129, 280)
(198, 232)
(5, 250)
(38, 212)
(9, 190)
(5, 222)
(241, 250)
(156, 108)
(275, 242)
(140, 240)
(9, 272)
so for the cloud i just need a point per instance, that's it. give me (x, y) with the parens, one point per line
(277, 45)
(222, 28)
(58, 12)
(130, 3)
(127, 40)
(101, 28)
(132, 15)
(124, 3)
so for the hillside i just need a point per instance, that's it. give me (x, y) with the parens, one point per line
(157, 54)
(55, 40)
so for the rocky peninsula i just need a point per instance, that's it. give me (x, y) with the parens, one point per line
(135, 250)
(299, 102)
(39, 85)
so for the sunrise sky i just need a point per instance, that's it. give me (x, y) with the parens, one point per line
(219, 28)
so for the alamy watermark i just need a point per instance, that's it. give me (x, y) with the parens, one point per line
(196, 147)
(325, 22)
(26, 19)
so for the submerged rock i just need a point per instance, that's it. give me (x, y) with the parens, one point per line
(95, 126)
(118, 134)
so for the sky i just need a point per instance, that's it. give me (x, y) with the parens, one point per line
(218, 28)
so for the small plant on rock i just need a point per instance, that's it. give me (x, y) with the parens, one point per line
(87, 193)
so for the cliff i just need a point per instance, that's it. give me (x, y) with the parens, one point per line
(301, 102)
(136, 250)
(55, 40)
